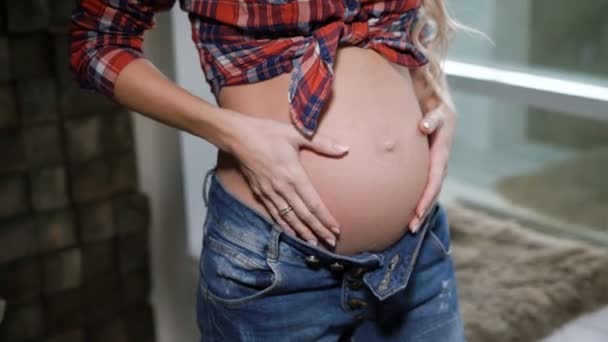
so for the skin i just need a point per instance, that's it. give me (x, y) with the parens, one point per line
(270, 160)
(439, 123)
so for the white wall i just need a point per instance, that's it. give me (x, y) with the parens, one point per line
(159, 160)
(197, 154)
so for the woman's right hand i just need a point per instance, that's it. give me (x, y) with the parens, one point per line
(268, 155)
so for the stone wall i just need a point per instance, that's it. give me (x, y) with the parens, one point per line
(74, 260)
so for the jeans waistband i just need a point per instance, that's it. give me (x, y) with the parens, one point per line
(388, 270)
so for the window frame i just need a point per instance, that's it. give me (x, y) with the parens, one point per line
(566, 96)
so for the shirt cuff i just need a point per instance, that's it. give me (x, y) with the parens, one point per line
(105, 66)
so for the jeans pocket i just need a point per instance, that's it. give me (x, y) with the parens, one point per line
(436, 245)
(232, 275)
(439, 231)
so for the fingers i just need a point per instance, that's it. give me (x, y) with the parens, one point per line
(324, 145)
(273, 202)
(305, 217)
(315, 205)
(437, 173)
(289, 220)
(432, 121)
(283, 183)
(416, 222)
(274, 212)
(301, 220)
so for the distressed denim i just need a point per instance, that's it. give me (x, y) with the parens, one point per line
(259, 283)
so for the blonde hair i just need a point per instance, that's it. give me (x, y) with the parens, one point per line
(439, 28)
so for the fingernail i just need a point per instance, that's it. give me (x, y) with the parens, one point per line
(426, 124)
(414, 225)
(335, 229)
(331, 242)
(312, 242)
(341, 147)
(415, 228)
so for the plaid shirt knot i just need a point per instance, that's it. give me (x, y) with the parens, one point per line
(312, 74)
(246, 41)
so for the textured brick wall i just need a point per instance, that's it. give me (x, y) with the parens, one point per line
(73, 227)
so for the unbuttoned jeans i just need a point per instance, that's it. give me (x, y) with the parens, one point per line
(259, 283)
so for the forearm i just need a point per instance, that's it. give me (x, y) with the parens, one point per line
(142, 88)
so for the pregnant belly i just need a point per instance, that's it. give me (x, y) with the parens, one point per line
(373, 190)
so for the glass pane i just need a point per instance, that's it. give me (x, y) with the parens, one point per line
(552, 36)
(551, 166)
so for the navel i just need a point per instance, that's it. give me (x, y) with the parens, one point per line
(389, 145)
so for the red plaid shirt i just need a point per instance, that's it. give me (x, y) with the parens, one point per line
(245, 41)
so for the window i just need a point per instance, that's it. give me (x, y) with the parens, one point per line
(554, 37)
(532, 139)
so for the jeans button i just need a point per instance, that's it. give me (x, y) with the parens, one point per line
(312, 260)
(336, 266)
(355, 303)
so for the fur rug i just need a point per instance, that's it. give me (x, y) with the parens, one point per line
(518, 285)
(573, 190)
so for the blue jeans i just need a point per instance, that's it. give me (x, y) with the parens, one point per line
(259, 283)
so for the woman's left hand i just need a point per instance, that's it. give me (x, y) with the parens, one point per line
(440, 125)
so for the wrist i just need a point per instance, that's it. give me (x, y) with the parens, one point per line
(219, 128)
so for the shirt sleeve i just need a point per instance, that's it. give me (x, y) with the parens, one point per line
(106, 35)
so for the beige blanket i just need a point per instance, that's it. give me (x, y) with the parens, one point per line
(518, 285)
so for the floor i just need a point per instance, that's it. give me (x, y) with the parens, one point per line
(471, 178)
(590, 328)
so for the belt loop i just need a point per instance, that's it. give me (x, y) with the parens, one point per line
(273, 245)
(205, 181)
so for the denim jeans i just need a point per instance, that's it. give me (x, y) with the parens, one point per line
(259, 283)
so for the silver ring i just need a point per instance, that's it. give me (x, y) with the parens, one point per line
(286, 210)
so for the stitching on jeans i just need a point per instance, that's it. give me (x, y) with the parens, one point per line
(233, 197)
(258, 214)
(226, 250)
(427, 229)
(278, 279)
(434, 327)
(439, 243)
(244, 244)
(430, 221)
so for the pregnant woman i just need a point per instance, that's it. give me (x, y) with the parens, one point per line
(333, 127)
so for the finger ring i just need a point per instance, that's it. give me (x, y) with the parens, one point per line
(285, 210)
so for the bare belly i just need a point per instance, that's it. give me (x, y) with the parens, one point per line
(373, 190)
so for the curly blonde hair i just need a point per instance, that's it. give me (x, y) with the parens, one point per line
(439, 28)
